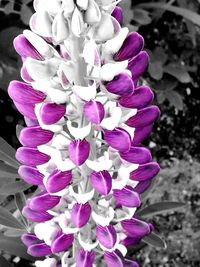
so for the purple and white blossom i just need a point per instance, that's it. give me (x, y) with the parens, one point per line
(87, 113)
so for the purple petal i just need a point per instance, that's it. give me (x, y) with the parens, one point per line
(118, 139)
(81, 214)
(30, 122)
(136, 228)
(84, 258)
(79, 151)
(132, 46)
(44, 202)
(121, 85)
(117, 14)
(31, 156)
(130, 241)
(51, 113)
(94, 111)
(140, 98)
(30, 175)
(58, 181)
(26, 110)
(36, 216)
(145, 172)
(114, 259)
(142, 186)
(130, 263)
(25, 75)
(107, 236)
(144, 117)
(25, 49)
(29, 239)
(23, 93)
(35, 136)
(141, 134)
(138, 155)
(138, 65)
(101, 181)
(62, 243)
(127, 197)
(39, 250)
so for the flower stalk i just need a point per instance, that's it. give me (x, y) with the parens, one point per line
(87, 114)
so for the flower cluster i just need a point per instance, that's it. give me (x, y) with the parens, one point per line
(87, 114)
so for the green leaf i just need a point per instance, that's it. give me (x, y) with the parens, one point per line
(7, 153)
(160, 207)
(14, 233)
(185, 13)
(8, 220)
(178, 72)
(155, 241)
(13, 188)
(14, 246)
(7, 171)
(156, 70)
(175, 99)
(4, 262)
(20, 201)
(141, 16)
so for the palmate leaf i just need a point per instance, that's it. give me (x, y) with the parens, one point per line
(8, 220)
(159, 208)
(154, 240)
(13, 188)
(7, 154)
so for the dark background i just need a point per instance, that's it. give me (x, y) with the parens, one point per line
(172, 37)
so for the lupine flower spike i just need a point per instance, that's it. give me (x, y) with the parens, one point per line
(87, 114)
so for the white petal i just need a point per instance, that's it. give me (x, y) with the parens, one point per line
(79, 133)
(112, 46)
(81, 198)
(41, 23)
(130, 130)
(50, 262)
(93, 13)
(85, 93)
(82, 4)
(127, 113)
(60, 28)
(103, 220)
(123, 175)
(77, 23)
(110, 70)
(52, 7)
(87, 246)
(113, 121)
(68, 6)
(68, 69)
(40, 44)
(90, 53)
(102, 35)
(57, 96)
(60, 141)
(122, 249)
(42, 70)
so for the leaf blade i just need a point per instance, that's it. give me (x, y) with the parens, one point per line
(154, 240)
(8, 220)
(160, 207)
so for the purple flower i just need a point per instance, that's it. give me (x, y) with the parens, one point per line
(79, 151)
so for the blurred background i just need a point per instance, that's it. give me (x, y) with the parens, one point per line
(172, 37)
